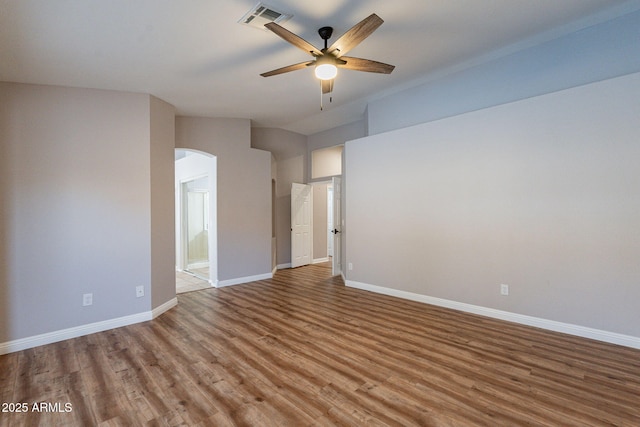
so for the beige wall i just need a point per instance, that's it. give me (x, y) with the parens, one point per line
(332, 138)
(541, 194)
(326, 162)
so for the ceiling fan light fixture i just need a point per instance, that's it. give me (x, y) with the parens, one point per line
(326, 71)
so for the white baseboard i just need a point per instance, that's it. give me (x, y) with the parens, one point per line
(91, 328)
(320, 260)
(164, 307)
(202, 264)
(552, 325)
(283, 266)
(241, 280)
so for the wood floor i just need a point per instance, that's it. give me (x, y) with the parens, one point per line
(301, 349)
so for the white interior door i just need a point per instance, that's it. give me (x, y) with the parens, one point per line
(301, 224)
(336, 265)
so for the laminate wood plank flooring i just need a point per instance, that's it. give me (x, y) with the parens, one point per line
(301, 349)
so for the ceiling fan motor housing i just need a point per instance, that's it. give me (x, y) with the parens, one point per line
(325, 33)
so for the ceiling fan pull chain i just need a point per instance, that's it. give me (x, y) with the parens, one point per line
(321, 96)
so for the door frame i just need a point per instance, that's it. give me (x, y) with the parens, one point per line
(184, 238)
(338, 224)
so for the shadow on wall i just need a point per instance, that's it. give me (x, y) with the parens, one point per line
(5, 227)
(5, 283)
(283, 229)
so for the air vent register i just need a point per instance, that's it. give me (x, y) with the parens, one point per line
(262, 14)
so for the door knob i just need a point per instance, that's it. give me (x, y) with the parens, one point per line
(335, 231)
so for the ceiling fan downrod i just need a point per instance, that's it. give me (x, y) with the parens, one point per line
(325, 34)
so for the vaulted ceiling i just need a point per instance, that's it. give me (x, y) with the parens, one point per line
(195, 55)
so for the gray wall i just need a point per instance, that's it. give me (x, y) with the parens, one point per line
(542, 194)
(81, 172)
(163, 250)
(596, 53)
(244, 193)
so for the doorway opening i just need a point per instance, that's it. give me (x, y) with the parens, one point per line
(326, 163)
(195, 223)
(196, 220)
(316, 224)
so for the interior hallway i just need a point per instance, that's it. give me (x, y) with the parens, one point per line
(186, 282)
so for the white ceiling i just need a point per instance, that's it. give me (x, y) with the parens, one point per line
(194, 55)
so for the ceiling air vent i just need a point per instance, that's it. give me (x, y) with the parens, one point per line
(263, 14)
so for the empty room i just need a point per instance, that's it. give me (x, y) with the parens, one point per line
(305, 213)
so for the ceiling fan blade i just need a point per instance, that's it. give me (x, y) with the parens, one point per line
(368, 65)
(327, 86)
(287, 69)
(295, 40)
(355, 35)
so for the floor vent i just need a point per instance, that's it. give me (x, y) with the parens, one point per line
(262, 14)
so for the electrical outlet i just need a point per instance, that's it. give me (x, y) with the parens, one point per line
(350, 266)
(504, 289)
(139, 291)
(87, 299)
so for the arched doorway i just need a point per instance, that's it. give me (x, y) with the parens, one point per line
(196, 219)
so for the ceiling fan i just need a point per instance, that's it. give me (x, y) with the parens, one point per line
(328, 59)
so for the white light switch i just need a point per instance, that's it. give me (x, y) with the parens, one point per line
(87, 299)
